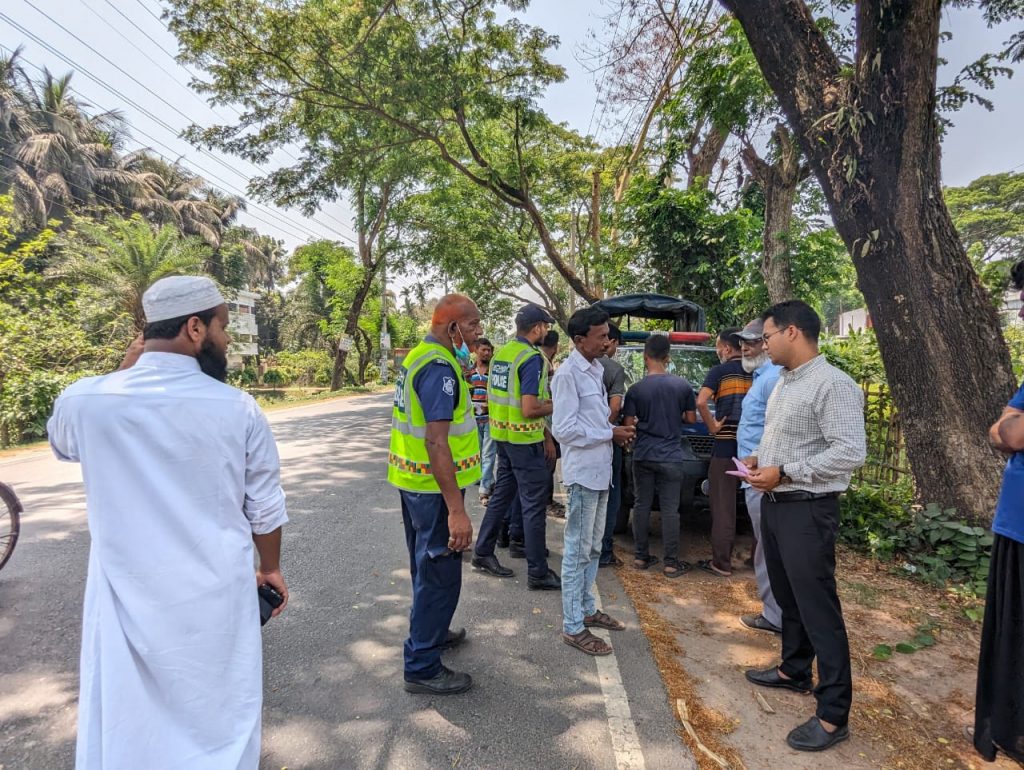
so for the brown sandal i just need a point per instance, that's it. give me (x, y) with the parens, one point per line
(586, 642)
(603, 620)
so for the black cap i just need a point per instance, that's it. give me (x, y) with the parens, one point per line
(532, 314)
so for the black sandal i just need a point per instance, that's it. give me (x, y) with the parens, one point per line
(644, 562)
(679, 568)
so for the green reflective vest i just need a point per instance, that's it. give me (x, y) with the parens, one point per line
(408, 461)
(505, 397)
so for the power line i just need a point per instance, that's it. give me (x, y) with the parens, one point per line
(284, 225)
(162, 124)
(131, 77)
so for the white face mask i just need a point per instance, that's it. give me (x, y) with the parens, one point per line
(461, 350)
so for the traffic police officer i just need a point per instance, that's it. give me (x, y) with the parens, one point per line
(517, 406)
(434, 456)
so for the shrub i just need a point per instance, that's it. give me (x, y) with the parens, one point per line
(932, 543)
(26, 403)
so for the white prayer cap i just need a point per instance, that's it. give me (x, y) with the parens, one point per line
(180, 295)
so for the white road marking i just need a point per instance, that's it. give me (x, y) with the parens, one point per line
(625, 741)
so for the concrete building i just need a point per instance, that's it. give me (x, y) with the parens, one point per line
(242, 328)
(853, 321)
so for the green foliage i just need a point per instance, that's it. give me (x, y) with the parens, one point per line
(689, 248)
(857, 355)
(1014, 335)
(121, 258)
(989, 216)
(303, 367)
(932, 543)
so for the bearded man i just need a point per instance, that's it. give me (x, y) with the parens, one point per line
(182, 480)
(748, 436)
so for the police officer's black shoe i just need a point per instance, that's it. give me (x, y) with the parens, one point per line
(550, 582)
(491, 566)
(447, 682)
(517, 550)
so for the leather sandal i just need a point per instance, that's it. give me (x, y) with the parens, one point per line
(644, 562)
(603, 620)
(587, 643)
(674, 568)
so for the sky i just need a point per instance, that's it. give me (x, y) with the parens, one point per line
(123, 58)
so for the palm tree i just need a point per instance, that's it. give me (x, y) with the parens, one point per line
(187, 202)
(121, 258)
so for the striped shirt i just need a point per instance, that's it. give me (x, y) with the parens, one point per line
(814, 426)
(728, 383)
(478, 392)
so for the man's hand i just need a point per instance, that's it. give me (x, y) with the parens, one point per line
(549, 449)
(135, 349)
(460, 530)
(715, 425)
(764, 479)
(275, 580)
(623, 434)
(750, 462)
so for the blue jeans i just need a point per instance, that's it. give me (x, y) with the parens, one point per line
(611, 515)
(436, 582)
(583, 529)
(488, 451)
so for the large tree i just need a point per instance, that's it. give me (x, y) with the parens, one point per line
(870, 133)
(453, 78)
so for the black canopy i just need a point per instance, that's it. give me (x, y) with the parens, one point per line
(685, 315)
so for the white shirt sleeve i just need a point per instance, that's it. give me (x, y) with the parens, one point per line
(60, 434)
(264, 498)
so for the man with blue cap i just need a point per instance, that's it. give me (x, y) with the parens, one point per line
(518, 400)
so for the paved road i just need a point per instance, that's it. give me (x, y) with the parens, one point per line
(333, 660)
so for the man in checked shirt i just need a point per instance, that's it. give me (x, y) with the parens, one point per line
(813, 442)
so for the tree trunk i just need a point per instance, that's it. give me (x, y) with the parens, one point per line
(871, 140)
(703, 157)
(351, 328)
(779, 181)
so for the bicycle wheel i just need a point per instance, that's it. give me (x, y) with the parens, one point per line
(10, 522)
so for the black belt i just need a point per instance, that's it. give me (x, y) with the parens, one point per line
(798, 496)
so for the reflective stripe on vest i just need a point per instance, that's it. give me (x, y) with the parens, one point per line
(504, 396)
(408, 460)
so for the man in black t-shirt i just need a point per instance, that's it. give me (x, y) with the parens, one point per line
(726, 384)
(658, 406)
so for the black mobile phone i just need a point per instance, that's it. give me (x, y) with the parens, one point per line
(270, 600)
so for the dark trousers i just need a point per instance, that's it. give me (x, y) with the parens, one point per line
(611, 514)
(436, 582)
(667, 480)
(523, 475)
(722, 488)
(799, 541)
(552, 464)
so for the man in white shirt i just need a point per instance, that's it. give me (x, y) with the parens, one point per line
(580, 424)
(182, 479)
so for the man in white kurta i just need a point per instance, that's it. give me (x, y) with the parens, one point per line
(182, 475)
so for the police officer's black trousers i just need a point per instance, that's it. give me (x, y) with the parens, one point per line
(436, 582)
(523, 474)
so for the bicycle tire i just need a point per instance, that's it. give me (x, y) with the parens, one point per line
(11, 511)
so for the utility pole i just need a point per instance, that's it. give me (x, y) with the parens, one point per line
(385, 338)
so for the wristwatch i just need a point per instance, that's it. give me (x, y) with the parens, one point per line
(783, 478)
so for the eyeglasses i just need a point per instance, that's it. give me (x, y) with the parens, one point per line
(766, 337)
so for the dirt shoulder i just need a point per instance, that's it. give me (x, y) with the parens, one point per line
(909, 711)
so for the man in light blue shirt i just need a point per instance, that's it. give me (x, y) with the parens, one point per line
(748, 436)
(580, 424)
